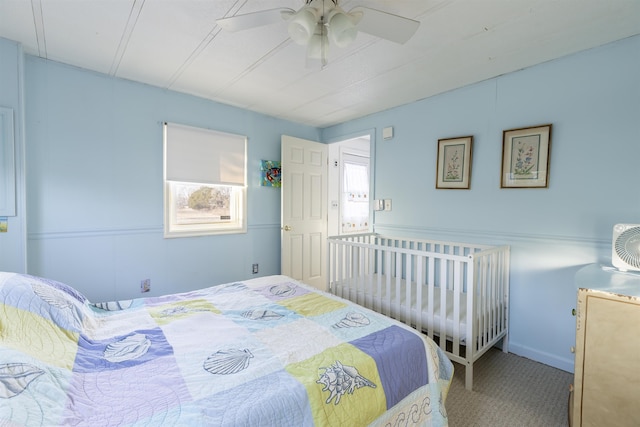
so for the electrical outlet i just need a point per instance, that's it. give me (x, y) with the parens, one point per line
(387, 204)
(254, 268)
(145, 285)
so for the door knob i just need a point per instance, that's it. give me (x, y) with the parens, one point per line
(286, 228)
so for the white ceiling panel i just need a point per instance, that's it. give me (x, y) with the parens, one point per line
(91, 38)
(165, 37)
(177, 44)
(16, 23)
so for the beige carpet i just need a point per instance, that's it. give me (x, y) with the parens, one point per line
(509, 391)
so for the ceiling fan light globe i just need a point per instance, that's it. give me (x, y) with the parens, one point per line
(302, 25)
(342, 30)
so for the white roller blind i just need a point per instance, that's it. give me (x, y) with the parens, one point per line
(204, 156)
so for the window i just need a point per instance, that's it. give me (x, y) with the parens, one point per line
(204, 182)
(355, 194)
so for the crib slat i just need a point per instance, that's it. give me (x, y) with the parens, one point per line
(367, 274)
(478, 306)
(357, 255)
(419, 307)
(431, 291)
(398, 292)
(500, 292)
(444, 274)
(379, 278)
(388, 280)
(352, 267)
(408, 289)
(456, 308)
(493, 297)
(488, 302)
(341, 274)
(482, 304)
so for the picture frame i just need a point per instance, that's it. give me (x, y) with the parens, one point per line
(453, 168)
(525, 157)
(270, 173)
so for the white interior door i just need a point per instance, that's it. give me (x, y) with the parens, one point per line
(304, 210)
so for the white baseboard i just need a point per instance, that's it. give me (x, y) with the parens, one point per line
(566, 364)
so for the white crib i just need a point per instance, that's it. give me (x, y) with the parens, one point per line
(457, 293)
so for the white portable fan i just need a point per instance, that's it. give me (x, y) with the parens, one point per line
(319, 22)
(625, 248)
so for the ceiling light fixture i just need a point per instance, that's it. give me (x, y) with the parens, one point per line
(319, 22)
(302, 25)
(342, 28)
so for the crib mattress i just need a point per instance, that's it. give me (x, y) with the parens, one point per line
(393, 302)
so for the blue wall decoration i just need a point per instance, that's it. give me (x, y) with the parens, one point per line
(270, 173)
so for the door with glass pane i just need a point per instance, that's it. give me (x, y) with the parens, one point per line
(354, 194)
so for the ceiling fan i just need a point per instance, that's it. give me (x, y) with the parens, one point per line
(319, 22)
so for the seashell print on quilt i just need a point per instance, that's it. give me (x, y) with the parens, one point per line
(262, 314)
(283, 289)
(113, 305)
(62, 287)
(353, 320)
(175, 311)
(129, 348)
(16, 377)
(339, 379)
(226, 362)
(51, 296)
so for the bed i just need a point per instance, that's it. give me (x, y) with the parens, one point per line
(259, 352)
(457, 293)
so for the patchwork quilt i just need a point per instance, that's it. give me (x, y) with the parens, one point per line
(261, 352)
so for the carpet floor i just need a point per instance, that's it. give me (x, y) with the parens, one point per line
(509, 391)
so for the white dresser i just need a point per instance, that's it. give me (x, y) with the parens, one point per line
(607, 353)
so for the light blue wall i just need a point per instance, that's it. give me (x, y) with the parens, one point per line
(94, 181)
(593, 101)
(12, 243)
(95, 194)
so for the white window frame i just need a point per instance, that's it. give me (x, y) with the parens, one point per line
(219, 167)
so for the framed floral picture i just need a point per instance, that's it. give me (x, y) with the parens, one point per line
(525, 157)
(454, 163)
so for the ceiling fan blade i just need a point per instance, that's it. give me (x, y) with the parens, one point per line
(384, 25)
(255, 19)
